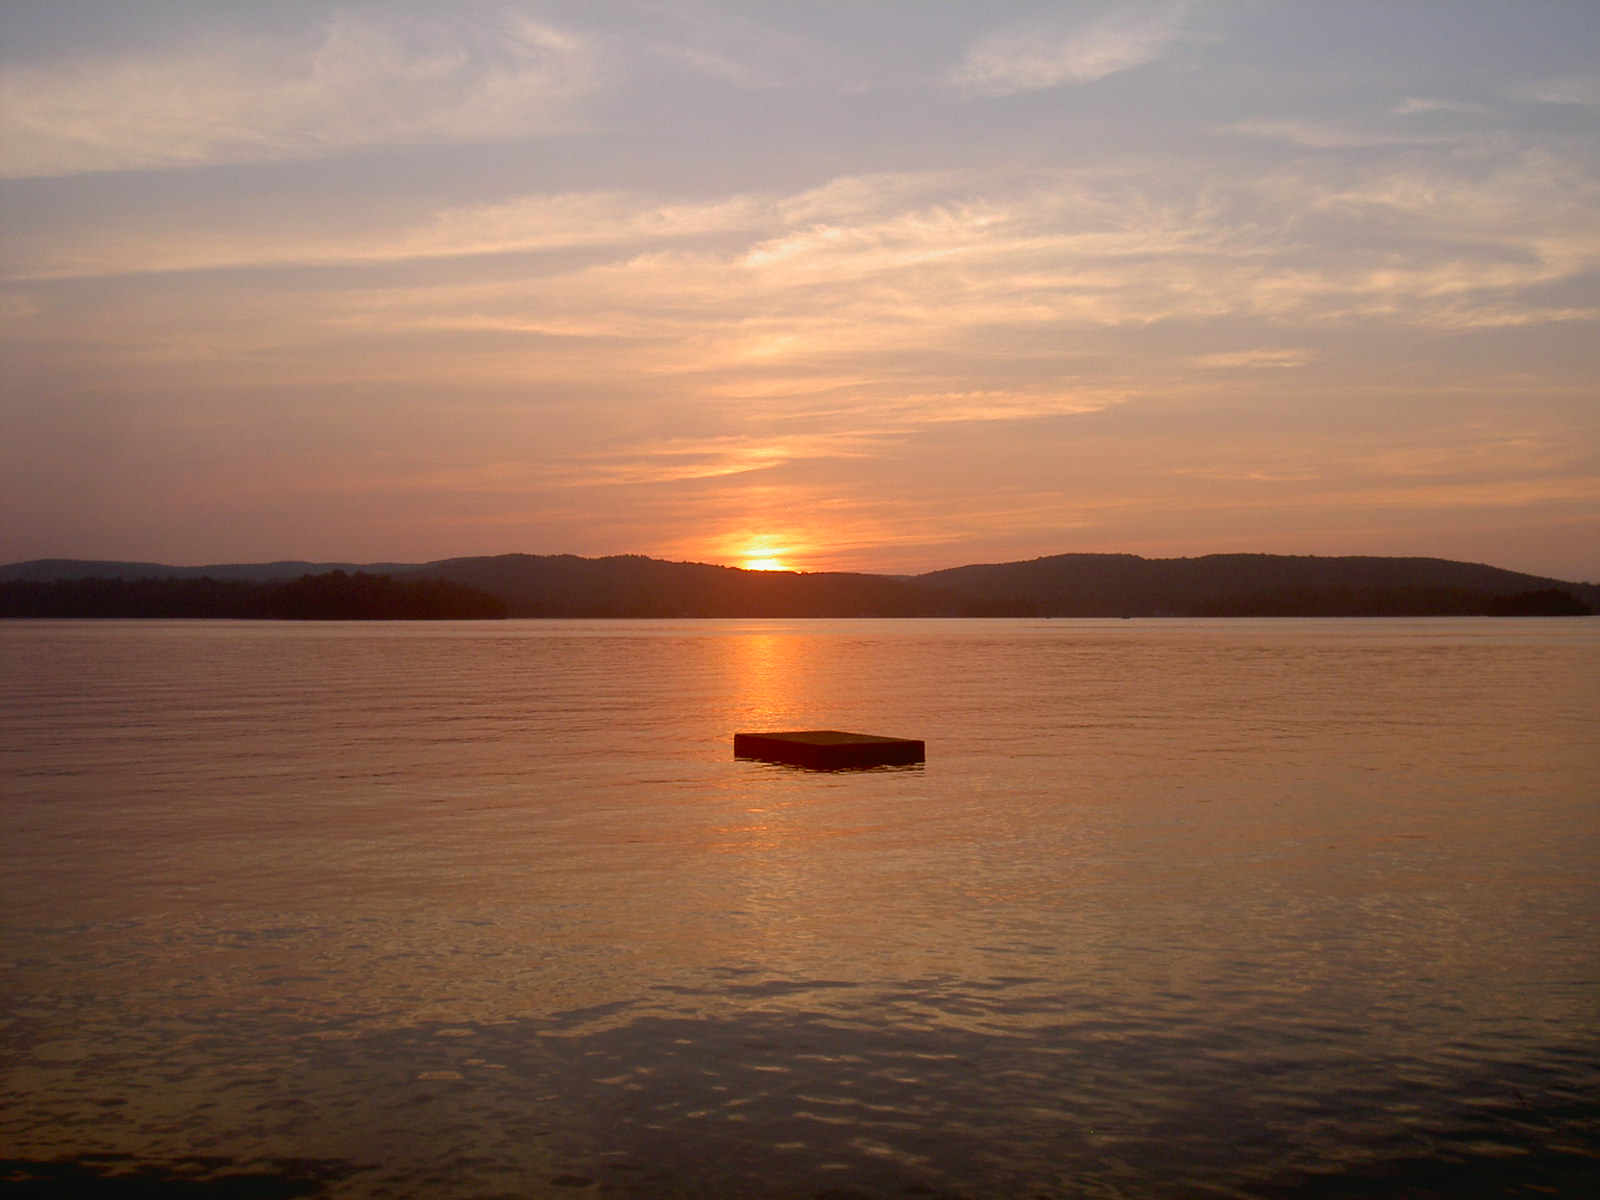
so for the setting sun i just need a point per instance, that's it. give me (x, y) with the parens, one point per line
(765, 564)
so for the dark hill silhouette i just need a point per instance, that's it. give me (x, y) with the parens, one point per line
(1065, 585)
(48, 569)
(331, 596)
(631, 585)
(1116, 585)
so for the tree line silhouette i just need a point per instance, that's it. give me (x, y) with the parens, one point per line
(523, 585)
(333, 596)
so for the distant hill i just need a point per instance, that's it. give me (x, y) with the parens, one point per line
(330, 596)
(1116, 585)
(47, 569)
(1064, 585)
(564, 585)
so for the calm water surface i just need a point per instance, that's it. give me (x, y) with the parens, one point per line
(1174, 909)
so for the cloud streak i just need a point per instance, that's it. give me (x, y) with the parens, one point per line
(893, 260)
(1054, 51)
(359, 81)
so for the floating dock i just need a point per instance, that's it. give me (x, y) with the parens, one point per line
(828, 749)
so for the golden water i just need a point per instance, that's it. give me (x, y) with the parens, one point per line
(1174, 908)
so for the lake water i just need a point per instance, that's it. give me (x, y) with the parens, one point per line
(1174, 909)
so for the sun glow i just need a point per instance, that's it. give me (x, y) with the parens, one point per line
(763, 555)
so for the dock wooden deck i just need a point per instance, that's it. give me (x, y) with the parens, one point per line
(828, 749)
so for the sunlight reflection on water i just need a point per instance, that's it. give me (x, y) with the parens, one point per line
(462, 910)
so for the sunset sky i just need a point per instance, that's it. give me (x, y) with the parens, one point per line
(884, 285)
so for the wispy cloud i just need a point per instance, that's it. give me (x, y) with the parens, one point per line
(866, 277)
(359, 81)
(925, 273)
(1059, 50)
(1580, 90)
(727, 45)
(1413, 105)
(662, 460)
(1323, 135)
(517, 225)
(1256, 358)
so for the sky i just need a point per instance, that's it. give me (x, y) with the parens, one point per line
(880, 285)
